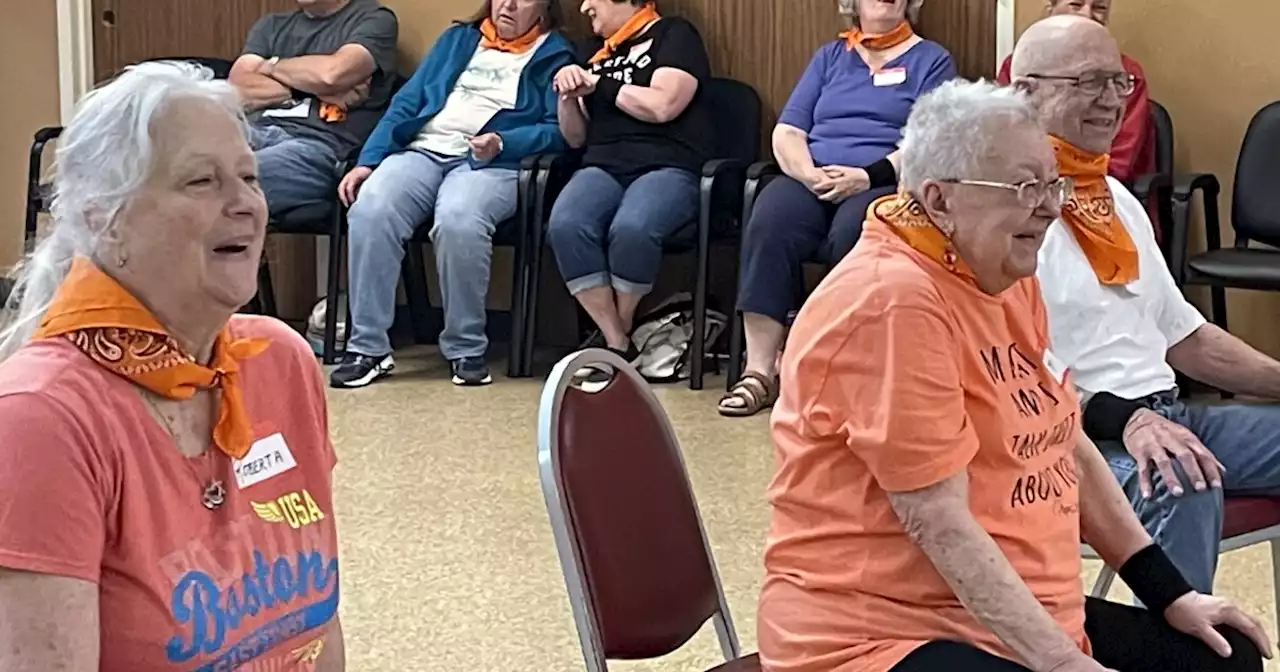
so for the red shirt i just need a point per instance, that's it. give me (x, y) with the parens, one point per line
(1133, 152)
(93, 488)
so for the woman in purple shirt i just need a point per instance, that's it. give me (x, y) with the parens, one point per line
(836, 142)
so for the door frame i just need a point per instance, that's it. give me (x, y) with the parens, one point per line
(75, 53)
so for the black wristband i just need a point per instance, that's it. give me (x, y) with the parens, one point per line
(1106, 415)
(1154, 580)
(882, 174)
(608, 88)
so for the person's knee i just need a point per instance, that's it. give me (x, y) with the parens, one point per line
(568, 228)
(462, 225)
(634, 230)
(1245, 656)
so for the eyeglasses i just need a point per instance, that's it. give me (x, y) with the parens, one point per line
(1093, 84)
(1031, 193)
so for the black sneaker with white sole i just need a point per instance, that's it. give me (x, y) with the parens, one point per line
(470, 372)
(358, 370)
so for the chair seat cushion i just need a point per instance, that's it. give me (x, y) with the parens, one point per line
(749, 664)
(1252, 268)
(1242, 515)
(314, 218)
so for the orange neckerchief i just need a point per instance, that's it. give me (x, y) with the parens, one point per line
(491, 40)
(879, 42)
(647, 15)
(1090, 213)
(906, 218)
(114, 329)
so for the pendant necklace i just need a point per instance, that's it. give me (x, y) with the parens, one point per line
(214, 493)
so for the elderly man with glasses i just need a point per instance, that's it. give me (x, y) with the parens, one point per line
(1120, 324)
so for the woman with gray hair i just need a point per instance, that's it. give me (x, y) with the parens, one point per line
(836, 143)
(933, 482)
(165, 500)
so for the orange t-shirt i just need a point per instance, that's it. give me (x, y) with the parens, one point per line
(93, 488)
(898, 374)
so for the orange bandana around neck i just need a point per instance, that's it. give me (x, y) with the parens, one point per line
(114, 329)
(1091, 216)
(491, 40)
(878, 42)
(903, 215)
(638, 21)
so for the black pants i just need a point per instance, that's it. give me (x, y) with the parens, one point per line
(1124, 638)
(789, 226)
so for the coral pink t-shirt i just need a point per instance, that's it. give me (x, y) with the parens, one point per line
(92, 487)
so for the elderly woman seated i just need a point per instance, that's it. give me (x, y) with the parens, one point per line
(933, 482)
(641, 111)
(835, 142)
(153, 443)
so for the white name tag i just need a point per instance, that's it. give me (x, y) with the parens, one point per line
(890, 77)
(300, 111)
(1057, 368)
(268, 457)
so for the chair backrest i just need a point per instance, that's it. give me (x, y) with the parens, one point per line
(637, 565)
(1255, 209)
(221, 67)
(737, 115)
(1162, 127)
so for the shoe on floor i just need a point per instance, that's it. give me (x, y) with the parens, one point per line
(358, 370)
(594, 377)
(471, 372)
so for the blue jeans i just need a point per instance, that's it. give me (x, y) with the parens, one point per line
(400, 195)
(606, 234)
(293, 171)
(1245, 438)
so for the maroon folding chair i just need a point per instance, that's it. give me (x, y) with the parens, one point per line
(635, 557)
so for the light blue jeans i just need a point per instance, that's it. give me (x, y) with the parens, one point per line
(293, 171)
(400, 195)
(1245, 438)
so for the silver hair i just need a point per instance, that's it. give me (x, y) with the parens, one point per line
(951, 129)
(104, 156)
(849, 9)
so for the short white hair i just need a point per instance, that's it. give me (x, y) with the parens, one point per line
(849, 9)
(104, 156)
(951, 130)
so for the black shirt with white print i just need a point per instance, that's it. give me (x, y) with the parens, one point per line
(627, 147)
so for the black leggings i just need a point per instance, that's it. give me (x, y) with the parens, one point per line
(1124, 638)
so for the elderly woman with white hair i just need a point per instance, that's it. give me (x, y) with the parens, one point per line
(165, 499)
(836, 143)
(933, 481)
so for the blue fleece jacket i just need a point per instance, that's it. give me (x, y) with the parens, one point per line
(529, 128)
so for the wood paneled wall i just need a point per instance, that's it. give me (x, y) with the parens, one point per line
(768, 43)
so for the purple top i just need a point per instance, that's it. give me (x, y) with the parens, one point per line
(849, 119)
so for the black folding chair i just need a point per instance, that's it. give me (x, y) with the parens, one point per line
(737, 111)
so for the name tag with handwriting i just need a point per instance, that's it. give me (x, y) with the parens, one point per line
(268, 457)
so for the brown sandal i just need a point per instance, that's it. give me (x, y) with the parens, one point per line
(756, 392)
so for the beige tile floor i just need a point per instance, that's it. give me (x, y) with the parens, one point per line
(448, 562)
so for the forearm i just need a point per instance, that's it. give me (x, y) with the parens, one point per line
(646, 104)
(318, 75)
(259, 91)
(791, 149)
(1213, 356)
(333, 657)
(971, 563)
(1107, 521)
(573, 122)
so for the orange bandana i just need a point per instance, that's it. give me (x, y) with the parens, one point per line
(906, 218)
(900, 33)
(114, 329)
(638, 21)
(491, 40)
(1090, 213)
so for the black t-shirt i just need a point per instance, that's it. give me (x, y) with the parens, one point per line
(293, 34)
(627, 147)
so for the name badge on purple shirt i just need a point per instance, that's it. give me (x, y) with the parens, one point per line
(890, 77)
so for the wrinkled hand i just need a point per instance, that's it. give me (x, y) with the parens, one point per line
(1079, 663)
(351, 182)
(1150, 438)
(573, 81)
(358, 94)
(1196, 615)
(840, 183)
(486, 147)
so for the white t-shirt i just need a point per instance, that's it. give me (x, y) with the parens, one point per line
(490, 84)
(1114, 338)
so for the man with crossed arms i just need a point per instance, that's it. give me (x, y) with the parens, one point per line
(1120, 324)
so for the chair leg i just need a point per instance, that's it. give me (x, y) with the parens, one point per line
(415, 289)
(1103, 585)
(530, 326)
(329, 353)
(1218, 308)
(266, 298)
(698, 348)
(1275, 580)
(519, 302)
(736, 336)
